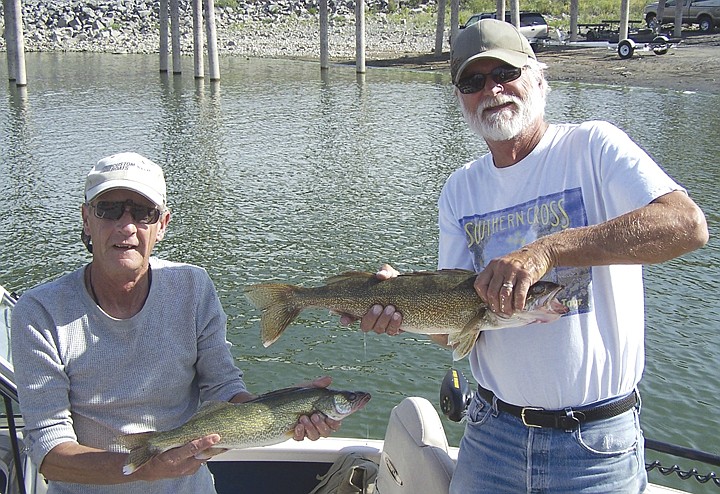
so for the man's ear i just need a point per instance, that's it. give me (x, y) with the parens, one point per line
(164, 222)
(85, 211)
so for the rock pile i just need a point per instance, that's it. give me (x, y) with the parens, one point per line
(271, 28)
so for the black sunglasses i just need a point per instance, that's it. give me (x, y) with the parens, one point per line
(499, 75)
(113, 210)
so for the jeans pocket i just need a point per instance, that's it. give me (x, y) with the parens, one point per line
(613, 436)
(478, 412)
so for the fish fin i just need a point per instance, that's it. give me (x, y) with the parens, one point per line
(139, 446)
(371, 276)
(440, 272)
(209, 453)
(463, 343)
(275, 392)
(464, 340)
(339, 278)
(275, 300)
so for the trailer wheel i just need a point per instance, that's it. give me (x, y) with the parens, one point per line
(626, 48)
(660, 45)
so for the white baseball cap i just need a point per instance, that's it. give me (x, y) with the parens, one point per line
(127, 171)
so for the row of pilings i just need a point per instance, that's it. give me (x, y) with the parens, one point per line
(170, 14)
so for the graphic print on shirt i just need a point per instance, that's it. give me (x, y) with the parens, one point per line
(499, 232)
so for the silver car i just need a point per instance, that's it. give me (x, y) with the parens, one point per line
(532, 25)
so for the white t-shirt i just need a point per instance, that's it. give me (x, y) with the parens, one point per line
(578, 175)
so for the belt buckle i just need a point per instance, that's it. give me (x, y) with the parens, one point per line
(522, 416)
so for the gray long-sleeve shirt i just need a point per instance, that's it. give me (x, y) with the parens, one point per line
(85, 376)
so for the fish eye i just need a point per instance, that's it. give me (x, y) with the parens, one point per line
(537, 288)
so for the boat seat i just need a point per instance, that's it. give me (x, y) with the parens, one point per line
(415, 457)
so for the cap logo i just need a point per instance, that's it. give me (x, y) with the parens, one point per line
(122, 166)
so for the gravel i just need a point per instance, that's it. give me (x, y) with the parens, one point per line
(264, 28)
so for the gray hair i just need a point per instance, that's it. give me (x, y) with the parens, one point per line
(536, 70)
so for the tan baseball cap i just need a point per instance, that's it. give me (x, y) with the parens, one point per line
(488, 38)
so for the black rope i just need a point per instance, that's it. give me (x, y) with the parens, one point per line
(683, 474)
(683, 452)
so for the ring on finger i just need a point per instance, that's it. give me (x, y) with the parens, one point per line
(508, 284)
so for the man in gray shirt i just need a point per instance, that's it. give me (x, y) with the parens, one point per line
(128, 343)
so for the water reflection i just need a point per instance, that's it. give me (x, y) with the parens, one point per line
(294, 173)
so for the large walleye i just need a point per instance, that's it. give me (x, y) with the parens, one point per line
(268, 419)
(431, 302)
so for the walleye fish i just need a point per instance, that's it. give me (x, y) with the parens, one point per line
(268, 419)
(431, 302)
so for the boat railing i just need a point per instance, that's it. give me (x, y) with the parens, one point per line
(8, 388)
(686, 453)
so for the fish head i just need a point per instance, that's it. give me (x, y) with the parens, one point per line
(344, 403)
(542, 302)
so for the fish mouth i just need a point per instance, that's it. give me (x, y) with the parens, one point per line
(558, 307)
(550, 303)
(361, 401)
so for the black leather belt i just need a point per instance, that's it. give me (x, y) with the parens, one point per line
(568, 419)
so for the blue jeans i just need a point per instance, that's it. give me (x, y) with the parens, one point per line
(499, 454)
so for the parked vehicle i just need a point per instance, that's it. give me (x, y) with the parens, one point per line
(532, 25)
(705, 13)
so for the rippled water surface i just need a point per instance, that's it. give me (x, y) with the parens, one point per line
(282, 173)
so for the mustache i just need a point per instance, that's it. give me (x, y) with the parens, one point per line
(498, 100)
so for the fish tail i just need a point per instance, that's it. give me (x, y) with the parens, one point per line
(140, 450)
(277, 303)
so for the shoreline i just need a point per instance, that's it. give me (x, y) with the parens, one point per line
(691, 66)
(263, 30)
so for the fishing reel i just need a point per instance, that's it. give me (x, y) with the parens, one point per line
(455, 395)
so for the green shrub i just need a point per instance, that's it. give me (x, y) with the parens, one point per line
(558, 11)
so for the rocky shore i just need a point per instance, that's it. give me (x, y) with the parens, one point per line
(263, 28)
(290, 29)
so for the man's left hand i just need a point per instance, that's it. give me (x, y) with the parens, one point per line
(317, 425)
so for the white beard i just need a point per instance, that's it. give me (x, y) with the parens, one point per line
(509, 122)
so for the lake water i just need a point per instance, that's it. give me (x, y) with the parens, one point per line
(280, 172)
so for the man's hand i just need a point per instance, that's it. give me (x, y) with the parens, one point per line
(505, 281)
(180, 461)
(317, 425)
(379, 319)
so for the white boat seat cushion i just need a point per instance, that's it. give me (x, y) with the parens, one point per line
(415, 456)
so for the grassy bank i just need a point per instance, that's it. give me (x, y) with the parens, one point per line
(588, 11)
(556, 12)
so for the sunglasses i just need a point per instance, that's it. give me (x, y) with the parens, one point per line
(113, 210)
(499, 75)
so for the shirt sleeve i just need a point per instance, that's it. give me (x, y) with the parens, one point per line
(452, 246)
(43, 386)
(218, 377)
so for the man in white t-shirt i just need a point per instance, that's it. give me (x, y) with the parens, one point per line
(583, 206)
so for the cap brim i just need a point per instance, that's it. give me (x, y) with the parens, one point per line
(510, 57)
(141, 189)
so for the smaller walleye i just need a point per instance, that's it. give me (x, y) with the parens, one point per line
(268, 419)
(431, 302)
